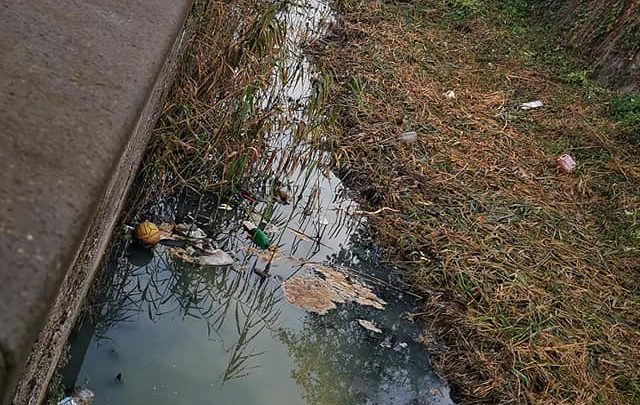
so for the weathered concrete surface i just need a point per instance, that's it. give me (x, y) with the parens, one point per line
(80, 85)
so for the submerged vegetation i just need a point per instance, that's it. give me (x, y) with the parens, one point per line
(531, 274)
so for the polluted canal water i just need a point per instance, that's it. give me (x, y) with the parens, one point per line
(174, 332)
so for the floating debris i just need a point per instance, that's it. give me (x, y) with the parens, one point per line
(282, 196)
(531, 105)
(310, 293)
(260, 230)
(370, 326)
(262, 273)
(147, 233)
(426, 339)
(376, 212)
(181, 254)
(190, 231)
(321, 292)
(248, 225)
(272, 229)
(81, 396)
(321, 221)
(408, 137)
(270, 255)
(435, 392)
(217, 257)
(128, 232)
(348, 289)
(166, 228)
(211, 257)
(260, 238)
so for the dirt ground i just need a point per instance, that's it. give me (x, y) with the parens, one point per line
(530, 274)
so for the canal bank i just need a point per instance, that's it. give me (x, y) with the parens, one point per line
(530, 271)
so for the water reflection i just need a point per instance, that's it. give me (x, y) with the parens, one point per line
(339, 362)
(156, 286)
(241, 320)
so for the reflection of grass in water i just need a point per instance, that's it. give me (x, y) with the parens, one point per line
(324, 370)
(224, 105)
(336, 364)
(251, 320)
(163, 288)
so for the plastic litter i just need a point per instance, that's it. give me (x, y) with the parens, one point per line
(566, 163)
(531, 105)
(81, 396)
(260, 238)
(450, 95)
(321, 221)
(408, 137)
(282, 196)
(190, 231)
(249, 225)
(217, 257)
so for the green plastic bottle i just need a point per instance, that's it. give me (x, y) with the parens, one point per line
(260, 238)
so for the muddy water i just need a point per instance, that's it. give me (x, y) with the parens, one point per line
(174, 333)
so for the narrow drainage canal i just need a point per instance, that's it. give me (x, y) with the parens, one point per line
(171, 332)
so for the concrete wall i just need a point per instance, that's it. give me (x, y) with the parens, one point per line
(81, 83)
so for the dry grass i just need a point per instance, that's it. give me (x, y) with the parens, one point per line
(209, 127)
(212, 125)
(532, 275)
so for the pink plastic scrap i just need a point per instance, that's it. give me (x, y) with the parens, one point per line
(566, 163)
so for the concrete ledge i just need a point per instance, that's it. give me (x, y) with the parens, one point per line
(81, 84)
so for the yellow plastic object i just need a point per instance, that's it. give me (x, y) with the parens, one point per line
(147, 233)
